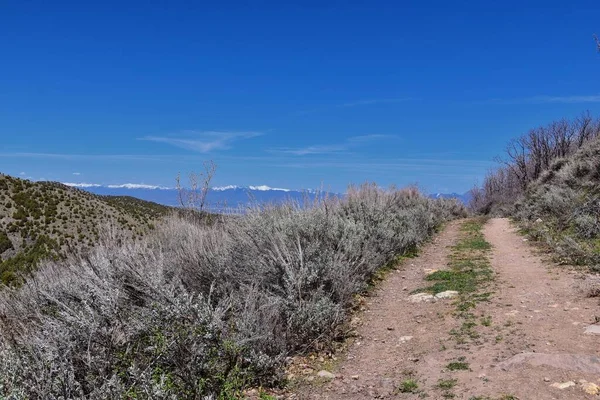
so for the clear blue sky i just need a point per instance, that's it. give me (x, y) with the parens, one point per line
(286, 94)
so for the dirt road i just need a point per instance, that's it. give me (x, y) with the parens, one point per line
(523, 339)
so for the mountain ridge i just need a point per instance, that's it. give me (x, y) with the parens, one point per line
(229, 196)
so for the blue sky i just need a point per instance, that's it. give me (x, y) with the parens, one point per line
(287, 94)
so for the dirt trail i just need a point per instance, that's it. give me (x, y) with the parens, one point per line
(531, 333)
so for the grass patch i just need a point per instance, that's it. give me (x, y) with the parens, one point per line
(458, 366)
(446, 384)
(469, 267)
(408, 386)
(469, 273)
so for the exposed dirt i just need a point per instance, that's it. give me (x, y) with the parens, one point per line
(530, 334)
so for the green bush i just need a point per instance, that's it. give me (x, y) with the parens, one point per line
(5, 243)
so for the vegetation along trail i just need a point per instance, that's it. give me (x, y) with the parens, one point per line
(477, 315)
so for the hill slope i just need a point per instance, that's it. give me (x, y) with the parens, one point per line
(47, 219)
(562, 209)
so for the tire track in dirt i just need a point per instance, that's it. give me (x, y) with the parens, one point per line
(531, 333)
(379, 357)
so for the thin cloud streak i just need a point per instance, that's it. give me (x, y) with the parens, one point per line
(341, 148)
(374, 101)
(203, 142)
(64, 156)
(431, 165)
(548, 100)
(350, 104)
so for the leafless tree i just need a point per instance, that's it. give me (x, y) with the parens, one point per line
(528, 156)
(194, 197)
(517, 159)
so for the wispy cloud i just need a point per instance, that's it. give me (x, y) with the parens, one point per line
(434, 167)
(339, 148)
(77, 173)
(374, 101)
(204, 141)
(549, 100)
(357, 103)
(86, 157)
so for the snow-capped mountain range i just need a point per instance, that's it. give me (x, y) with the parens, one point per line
(218, 197)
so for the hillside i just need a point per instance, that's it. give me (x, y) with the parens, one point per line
(550, 184)
(46, 220)
(561, 208)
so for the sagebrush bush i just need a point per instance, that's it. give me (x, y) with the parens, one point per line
(200, 311)
(563, 209)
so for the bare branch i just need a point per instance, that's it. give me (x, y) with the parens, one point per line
(194, 198)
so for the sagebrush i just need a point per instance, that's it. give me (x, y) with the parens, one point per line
(204, 310)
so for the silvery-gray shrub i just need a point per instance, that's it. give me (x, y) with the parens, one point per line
(201, 310)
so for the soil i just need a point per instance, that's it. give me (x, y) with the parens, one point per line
(531, 333)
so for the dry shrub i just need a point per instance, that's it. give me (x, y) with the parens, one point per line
(201, 311)
(590, 286)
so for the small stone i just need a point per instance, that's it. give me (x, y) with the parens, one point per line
(429, 271)
(355, 377)
(321, 359)
(592, 330)
(404, 339)
(481, 376)
(413, 359)
(448, 294)
(420, 297)
(590, 388)
(563, 385)
(389, 328)
(546, 379)
(405, 289)
(325, 374)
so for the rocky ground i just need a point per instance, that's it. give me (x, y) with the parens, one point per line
(527, 332)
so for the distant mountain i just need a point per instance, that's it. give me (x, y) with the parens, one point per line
(218, 198)
(223, 197)
(465, 198)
